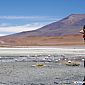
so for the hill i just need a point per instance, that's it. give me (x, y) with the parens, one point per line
(69, 25)
(62, 32)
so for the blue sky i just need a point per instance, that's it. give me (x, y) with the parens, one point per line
(23, 15)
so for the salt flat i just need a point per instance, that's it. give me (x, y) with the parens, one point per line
(41, 50)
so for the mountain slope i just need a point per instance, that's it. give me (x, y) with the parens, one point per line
(63, 32)
(69, 25)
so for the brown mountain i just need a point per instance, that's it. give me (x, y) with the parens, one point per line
(62, 32)
(69, 25)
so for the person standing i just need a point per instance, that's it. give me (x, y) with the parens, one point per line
(84, 33)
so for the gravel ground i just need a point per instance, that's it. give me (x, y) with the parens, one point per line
(24, 73)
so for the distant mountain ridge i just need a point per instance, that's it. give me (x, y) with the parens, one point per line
(69, 25)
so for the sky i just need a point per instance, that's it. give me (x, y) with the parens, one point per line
(24, 15)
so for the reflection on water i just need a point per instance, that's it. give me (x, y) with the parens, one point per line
(51, 71)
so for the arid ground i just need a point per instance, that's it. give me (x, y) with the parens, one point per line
(67, 40)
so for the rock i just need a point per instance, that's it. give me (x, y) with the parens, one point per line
(33, 84)
(42, 84)
(56, 83)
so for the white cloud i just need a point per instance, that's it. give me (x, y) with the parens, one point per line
(6, 30)
(29, 17)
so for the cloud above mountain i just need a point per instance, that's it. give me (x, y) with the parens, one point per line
(5, 30)
(15, 24)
